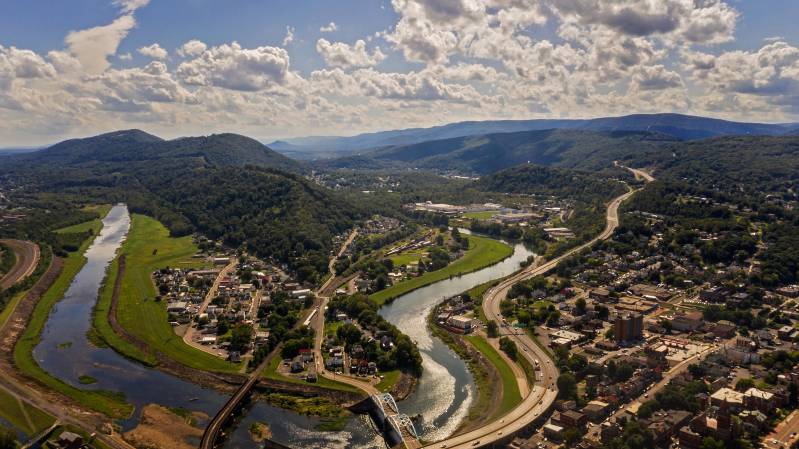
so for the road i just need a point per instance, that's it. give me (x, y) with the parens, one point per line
(545, 390)
(318, 325)
(27, 254)
(188, 336)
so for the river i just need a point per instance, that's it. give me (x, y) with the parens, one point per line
(442, 396)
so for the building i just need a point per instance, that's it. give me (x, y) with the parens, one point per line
(596, 410)
(600, 295)
(628, 327)
(687, 322)
(462, 323)
(729, 397)
(570, 418)
(714, 294)
(759, 400)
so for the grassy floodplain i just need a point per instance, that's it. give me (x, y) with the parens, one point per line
(147, 248)
(510, 388)
(22, 415)
(109, 403)
(483, 251)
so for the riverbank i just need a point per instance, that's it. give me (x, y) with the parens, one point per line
(109, 403)
(483, 252)
(497, 388)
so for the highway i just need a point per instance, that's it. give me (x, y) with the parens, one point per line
(27, 254)
(545, 391)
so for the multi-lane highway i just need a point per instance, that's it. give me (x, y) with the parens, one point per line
(545, 390)
(27, 255)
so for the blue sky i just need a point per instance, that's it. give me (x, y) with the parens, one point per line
(274, 69)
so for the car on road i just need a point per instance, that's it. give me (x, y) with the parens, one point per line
(476, 443)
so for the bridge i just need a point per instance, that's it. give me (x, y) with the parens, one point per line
(397, 426)
(213, 429)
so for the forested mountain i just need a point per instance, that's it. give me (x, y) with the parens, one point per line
(679, 126)
(744, 164)
(537, 179)
(488, 153)
(135, 145)
(224, 186)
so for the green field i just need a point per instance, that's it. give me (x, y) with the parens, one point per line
(483, 251)
(149, 247)
(23, 416)
(485, 215)
(406, 257)
(510, 388)
(109, 403)
(390, 378)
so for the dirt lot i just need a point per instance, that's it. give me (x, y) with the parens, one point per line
(159, 428)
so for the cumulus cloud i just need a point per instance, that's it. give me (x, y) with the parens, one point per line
(237, 68)
(153, 51)
(22, 64)
(329, 28)
(93, 46)
(192, 48)
(656, 78)
(340, 54)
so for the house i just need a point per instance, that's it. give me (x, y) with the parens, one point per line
(784, 333)
(177, 307)
(596, 410)
(306, 355)
(234, 356)
(69, 440)
(297, 365)
(385, 343)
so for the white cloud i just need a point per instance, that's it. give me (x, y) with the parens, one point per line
(329, 28)
(125, 56)
(93, 46)
(339, 54)
(289, 36)
(192, 48)
(153, 51)
(237, 68)
(129, 6)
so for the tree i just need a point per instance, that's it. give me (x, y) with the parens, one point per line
(647, 409)
(349, 334)
(508, 346)
(712, 443)
(744, 384)
(580, 306)
(492, 329)
(241, 337)
(567, 386)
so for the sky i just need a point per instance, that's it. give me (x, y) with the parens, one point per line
(275, 69)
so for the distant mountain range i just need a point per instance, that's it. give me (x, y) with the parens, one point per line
(488, 153)
(679, 126)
